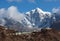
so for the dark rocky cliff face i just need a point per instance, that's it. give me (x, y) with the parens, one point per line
(56, 25)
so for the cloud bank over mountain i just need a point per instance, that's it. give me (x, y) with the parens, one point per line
(11, 12)
(56, 12)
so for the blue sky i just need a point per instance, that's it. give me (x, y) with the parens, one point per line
(27, 5)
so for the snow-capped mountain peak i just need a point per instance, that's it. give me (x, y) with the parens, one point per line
(39, 10)
(34, 19)
(39, 18)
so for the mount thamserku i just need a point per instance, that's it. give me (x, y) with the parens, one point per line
(33, 19)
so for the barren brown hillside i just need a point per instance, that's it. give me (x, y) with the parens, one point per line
(43, 35)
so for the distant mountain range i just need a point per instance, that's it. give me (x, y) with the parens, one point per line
(32, 20)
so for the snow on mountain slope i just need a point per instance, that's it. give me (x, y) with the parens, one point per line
(39, 18)
(33, 19)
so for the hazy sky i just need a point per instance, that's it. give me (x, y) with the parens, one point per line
(27, 5)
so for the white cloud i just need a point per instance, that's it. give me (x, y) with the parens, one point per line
(56, 10)
(12, 12)
(14, 0)
(2, 11)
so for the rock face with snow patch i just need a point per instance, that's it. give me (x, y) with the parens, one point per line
(38, 18)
